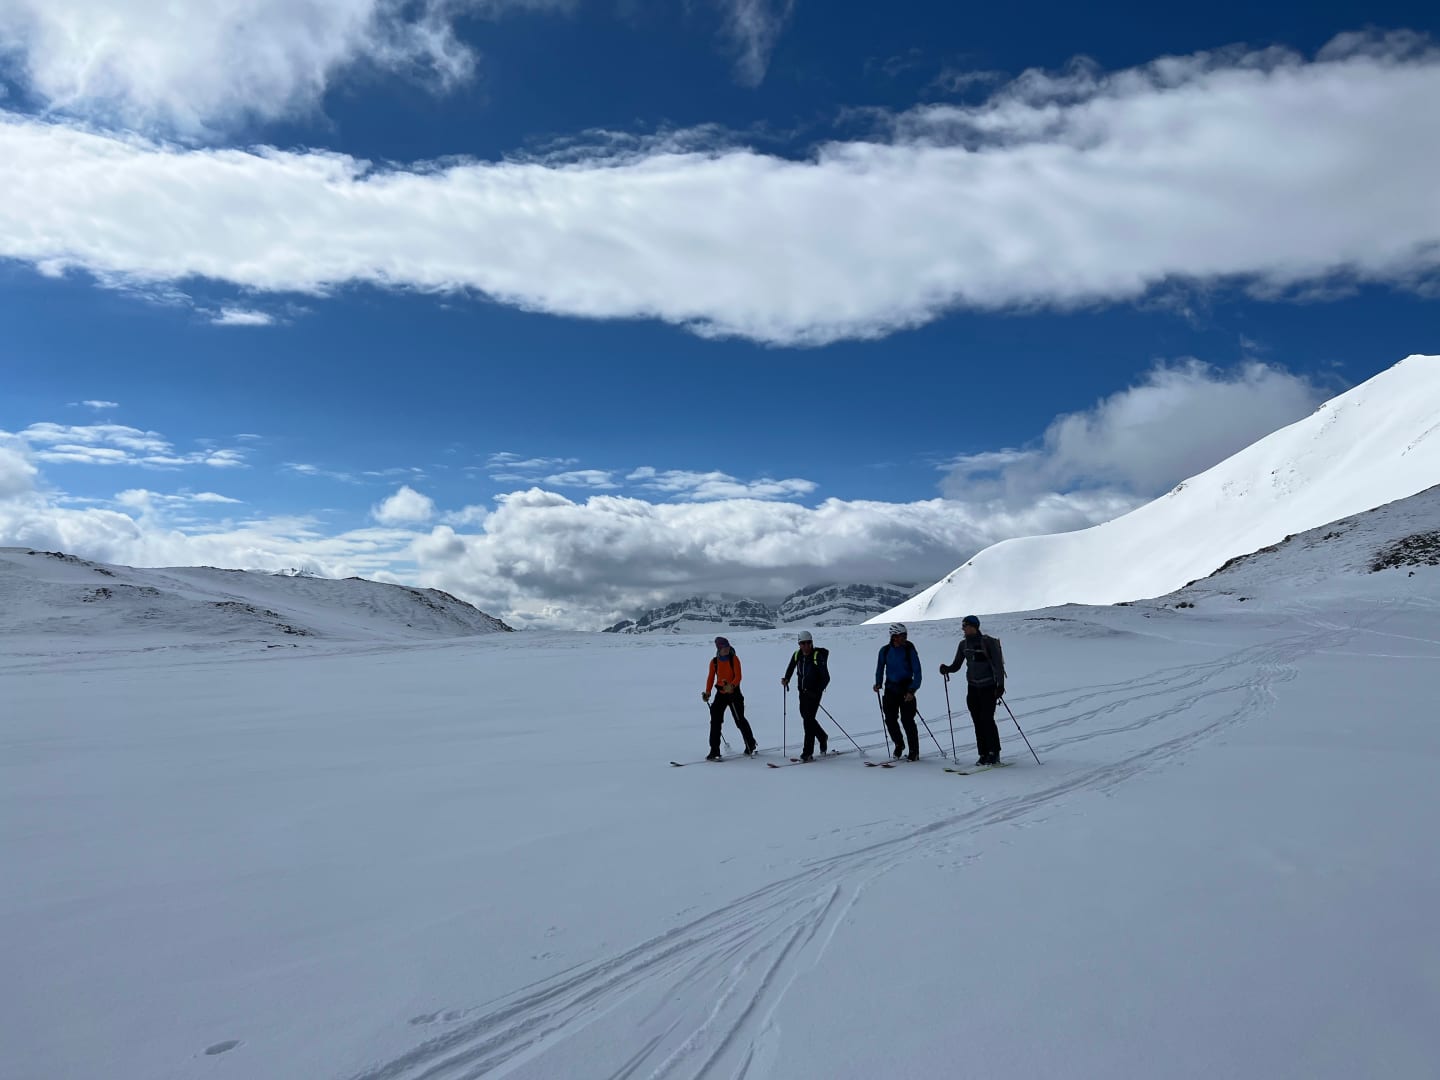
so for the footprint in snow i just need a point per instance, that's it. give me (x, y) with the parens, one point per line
(221, 1047)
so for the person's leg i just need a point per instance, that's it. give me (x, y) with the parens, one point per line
(908, 708)
(892, 720)
(974, 701)
(987, 722)
(807, 719)
(737, 704)
(821, 734)
(717, 720)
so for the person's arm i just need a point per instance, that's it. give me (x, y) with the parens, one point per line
(997, 665)
(918, 674)
(880, 668)
(789, 671)
(735, 667)
(959, 661)
(710, 679)
(822, 669)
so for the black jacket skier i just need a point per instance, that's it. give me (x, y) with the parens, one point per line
(812, 666)
(984, 661)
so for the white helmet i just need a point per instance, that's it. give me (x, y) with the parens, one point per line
(898, 628)
(804, 637)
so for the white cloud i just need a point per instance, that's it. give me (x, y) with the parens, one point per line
(959, 80)
(1060, 190)
(600, 479)
(542, 557)
(302, 468)
(242, 317)
(509, 462)
(707, 486)
(1177, 421)
(98, 406)
(145, 500)
(17, 475)
(406, 507)
(117, 444)
(197, 68)
(753, 27)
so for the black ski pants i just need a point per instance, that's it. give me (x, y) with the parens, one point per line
(735, 702)
(981, 701)
(898, 711)
(809, 713)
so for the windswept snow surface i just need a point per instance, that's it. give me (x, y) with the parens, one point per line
(1377, 443)
(471, 859)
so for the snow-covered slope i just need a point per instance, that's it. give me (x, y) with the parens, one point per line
(1375, 444)
(50, 593)
(1396, 540)
(469, 858)
(815, 605)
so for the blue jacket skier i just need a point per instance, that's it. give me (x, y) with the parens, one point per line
(897, 673)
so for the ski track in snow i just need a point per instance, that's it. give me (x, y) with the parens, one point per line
(701, 1000)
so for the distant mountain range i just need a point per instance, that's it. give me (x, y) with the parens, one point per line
(49, 592)
(815, 605)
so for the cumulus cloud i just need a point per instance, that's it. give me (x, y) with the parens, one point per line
(97, 406)
(406, 507)
(17, 475)
(1178, 420)
(195, 69)
(1060, 189)
(542, 558)
(753, 27)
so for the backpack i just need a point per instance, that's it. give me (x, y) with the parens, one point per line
(819, 661)
(911, 655)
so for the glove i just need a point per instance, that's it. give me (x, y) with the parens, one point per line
(999, 691)
(877, 688)
(945, 670)
(705, 697)
(910, 696)
(786, 684)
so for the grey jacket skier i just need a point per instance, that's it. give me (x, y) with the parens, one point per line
(984, 661)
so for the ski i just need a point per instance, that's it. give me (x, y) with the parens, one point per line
(797, 761)
(979, 768)
(706, 761)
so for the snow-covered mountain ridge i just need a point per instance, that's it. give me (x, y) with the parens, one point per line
(47, 592)
(1372, 445)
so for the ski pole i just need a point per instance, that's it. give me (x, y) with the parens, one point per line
(931, 733)
(1021, 730)
(954, 755)
(885, 727)
(785, 718)
(842, 730)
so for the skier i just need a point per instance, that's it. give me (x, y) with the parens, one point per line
(985, 678)
(724, 678)
(812, 665)
(898, 671)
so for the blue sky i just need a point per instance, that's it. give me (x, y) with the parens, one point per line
(744, 295)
